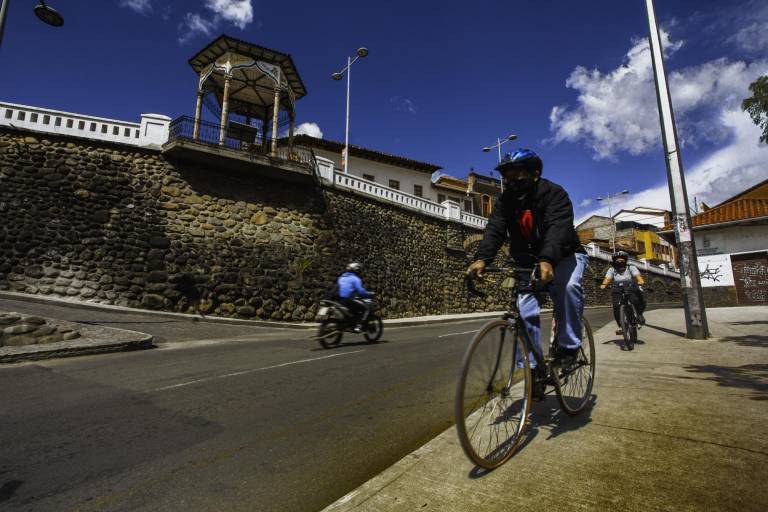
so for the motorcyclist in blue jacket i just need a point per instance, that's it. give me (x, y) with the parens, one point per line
(351, 291)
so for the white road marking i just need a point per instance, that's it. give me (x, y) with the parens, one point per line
(253, 370)
(456, 333)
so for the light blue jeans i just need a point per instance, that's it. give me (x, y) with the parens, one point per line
(568, 299)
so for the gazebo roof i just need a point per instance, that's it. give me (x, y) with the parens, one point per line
(251, 90)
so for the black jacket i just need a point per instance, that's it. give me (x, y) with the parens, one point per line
(554, 236)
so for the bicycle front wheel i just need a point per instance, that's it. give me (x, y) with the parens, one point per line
(574, 379)
(493, 396)
(628, 326)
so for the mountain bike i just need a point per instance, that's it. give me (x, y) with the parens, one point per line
(628, 317)
(498, 379)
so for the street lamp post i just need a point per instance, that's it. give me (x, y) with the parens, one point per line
(361, 52)
(46, 14)
(607, 199)
(693, 297)
(498, 144)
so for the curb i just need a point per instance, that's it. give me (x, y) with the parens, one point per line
(58, 301)
(95, 340)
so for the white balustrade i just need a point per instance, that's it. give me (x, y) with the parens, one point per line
(151, 131)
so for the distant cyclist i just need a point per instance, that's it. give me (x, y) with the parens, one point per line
(351, 290)
(536, 217)
(623, 274)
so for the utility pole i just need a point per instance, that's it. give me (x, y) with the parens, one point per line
(693, 298)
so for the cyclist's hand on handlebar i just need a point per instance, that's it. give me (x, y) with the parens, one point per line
(476, 269)
(602, 287)
(546, 272)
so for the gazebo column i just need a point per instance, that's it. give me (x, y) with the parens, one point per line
(198, 113)
(264, 130)
(275, 118)
(290, 129)
(225, 108)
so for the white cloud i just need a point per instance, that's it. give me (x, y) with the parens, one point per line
(139, 6)
(194, 25)
(238, 12)
(749, 21)
(311, 129)
(616, 113)
(403, 104)
(722, 174)
(585, 202)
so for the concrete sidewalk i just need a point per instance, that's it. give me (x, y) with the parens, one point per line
(677, 425)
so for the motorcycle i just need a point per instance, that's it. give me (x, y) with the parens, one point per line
(335, 319)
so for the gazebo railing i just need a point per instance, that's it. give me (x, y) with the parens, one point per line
(239, 137)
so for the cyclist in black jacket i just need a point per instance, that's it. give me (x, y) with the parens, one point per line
(536, 217)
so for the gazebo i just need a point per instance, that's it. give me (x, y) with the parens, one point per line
(248, 86)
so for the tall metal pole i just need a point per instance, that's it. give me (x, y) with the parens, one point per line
(346, 134)
(3, 12)
(693, 299)
(613, 224)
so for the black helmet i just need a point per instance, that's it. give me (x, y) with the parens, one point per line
(521, 159)
(619, 254)
(354, 267)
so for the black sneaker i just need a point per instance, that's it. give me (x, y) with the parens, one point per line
(566, 355)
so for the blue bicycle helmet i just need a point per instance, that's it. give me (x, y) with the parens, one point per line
(521, 159)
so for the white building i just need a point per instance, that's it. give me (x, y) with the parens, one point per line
(392, 171)
(732, 247)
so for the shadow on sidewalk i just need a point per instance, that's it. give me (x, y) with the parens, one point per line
(748, 376)
(749, 340)
(750, 322)
(668, 331)
(546, 415)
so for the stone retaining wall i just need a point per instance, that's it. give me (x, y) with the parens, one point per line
(109, 223)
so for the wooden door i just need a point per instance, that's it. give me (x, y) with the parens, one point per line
(750, 275)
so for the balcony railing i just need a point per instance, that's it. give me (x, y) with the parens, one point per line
(240, 137)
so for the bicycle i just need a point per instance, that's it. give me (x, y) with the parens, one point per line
(627, 317)
(494, 391)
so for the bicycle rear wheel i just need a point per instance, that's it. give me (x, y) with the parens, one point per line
(493, 396)
(574, 380)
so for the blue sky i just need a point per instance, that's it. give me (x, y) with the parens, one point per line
(571, 79)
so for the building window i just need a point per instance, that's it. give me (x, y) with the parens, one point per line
(8, 113)
(33, 118)
(440, 198)
(81, 125)
(103, 128)
(418, 191)
(369, 177)
(137, 134)
(127, 132)
(70, 123)
(394, 184)
(641, 247)
(485, 205)
(468, 205)
(21, 116)
(57, 122)
(115, 130)
(46, 119)
(93, 127)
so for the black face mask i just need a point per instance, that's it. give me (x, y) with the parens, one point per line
(519, 187)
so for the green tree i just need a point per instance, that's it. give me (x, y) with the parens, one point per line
(757, 105)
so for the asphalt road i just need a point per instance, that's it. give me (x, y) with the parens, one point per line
(268, 421)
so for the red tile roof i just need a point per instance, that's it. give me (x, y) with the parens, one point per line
(740, 209)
